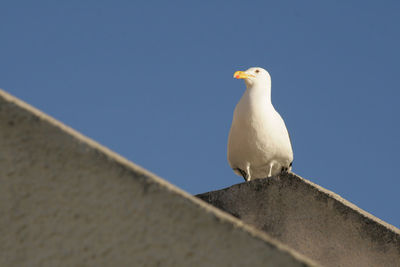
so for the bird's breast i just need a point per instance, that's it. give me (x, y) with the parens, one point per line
(249, 131)
(258, 133)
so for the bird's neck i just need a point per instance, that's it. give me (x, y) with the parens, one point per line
(258, 92)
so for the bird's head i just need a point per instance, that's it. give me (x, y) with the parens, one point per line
(254, 76)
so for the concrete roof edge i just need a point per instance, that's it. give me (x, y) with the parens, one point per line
(223, 217)
(350, 205)
(335, 197)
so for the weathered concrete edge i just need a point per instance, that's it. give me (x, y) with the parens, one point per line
(350, 205)
(221, 216)
(329, 194)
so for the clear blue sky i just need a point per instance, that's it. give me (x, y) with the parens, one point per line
(152, 80)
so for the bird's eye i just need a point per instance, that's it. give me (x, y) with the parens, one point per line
(257, 71)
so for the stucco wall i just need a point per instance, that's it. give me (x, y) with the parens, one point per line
(67, 201)
(312, 220)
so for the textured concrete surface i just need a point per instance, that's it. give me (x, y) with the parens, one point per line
(67, 201)
(312, 220)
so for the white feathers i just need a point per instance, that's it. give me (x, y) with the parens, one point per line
(258, 144)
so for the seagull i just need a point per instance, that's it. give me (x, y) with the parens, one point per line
(259, 145)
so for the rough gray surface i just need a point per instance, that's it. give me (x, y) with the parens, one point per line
(67, 201)
(312, 220)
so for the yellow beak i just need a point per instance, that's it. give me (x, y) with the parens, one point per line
(242, 75)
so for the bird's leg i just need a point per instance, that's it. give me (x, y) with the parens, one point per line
(248, 172)
(271, 164)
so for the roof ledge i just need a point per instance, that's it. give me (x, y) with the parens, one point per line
(312, 220)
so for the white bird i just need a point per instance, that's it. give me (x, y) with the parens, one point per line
(259, 144)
